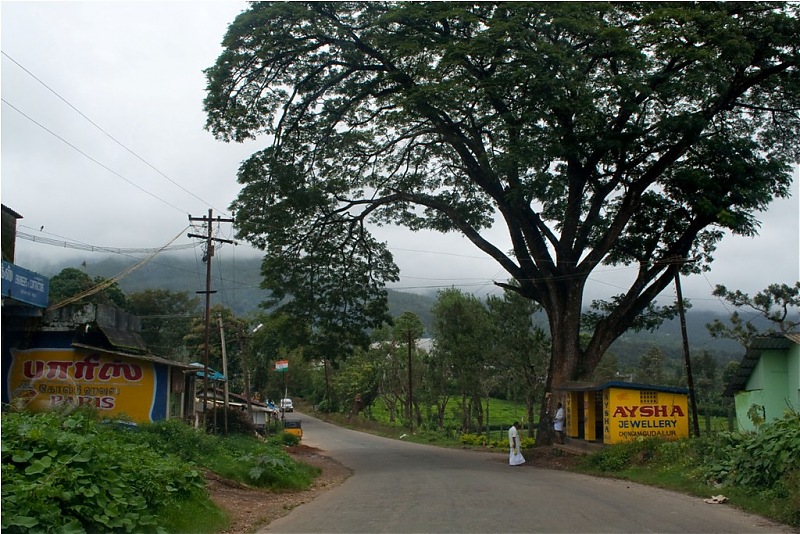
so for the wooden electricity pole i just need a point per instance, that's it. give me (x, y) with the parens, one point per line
(224, 369)
(210, 240)
(410, 387)
(687, 358)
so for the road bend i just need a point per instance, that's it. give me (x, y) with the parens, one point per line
(404, 487)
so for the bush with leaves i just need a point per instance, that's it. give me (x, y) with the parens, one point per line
(240, 457)
(640, 452)
(72, 473)
(173, 437)
(762, 460)
(764, 465)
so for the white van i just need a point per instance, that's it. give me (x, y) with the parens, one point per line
(286, 405)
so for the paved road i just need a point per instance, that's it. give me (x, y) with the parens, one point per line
(405, 487)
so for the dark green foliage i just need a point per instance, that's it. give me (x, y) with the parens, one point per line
(760, 460)
(620, 456)
(592, 133)
(239, 456)
(285, 438)
(764, 464)
(176, 438)
(72, 282)
(239, 421)
(777, 304)
(166, 316)
(74, 474)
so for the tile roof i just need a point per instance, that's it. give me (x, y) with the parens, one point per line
(753, 354)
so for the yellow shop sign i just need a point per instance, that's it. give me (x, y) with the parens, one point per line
(47, 378)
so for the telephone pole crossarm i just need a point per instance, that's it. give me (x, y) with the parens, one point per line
(210, 240)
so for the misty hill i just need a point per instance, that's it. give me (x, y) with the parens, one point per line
(237, 285)
(236, 282)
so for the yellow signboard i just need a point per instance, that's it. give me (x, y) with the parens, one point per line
(47, 378)
(629, 414)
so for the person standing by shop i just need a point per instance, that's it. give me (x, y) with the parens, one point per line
(558, 424)
(514, 456)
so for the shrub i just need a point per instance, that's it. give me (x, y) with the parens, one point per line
(70, 473)
(176, 438)
(622, 455)
(755, 460)
(287, 439)
(471, 440)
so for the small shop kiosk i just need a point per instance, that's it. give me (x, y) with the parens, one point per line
(615, 412)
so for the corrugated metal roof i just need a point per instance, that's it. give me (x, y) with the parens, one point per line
(598, 386)
(145, 357)
(772, 342)
(124, 339)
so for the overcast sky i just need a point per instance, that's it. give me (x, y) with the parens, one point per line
(103, 144)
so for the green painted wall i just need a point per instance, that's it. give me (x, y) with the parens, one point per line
(773, 384)
(794, 377)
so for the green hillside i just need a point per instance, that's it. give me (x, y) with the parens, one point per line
(237, 283)
(237, 286)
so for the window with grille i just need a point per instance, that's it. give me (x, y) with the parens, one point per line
(648, 397)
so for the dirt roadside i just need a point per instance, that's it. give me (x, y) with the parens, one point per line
(252, 508)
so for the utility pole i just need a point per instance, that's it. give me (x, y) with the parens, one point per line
(210, 239)
(410, 386)
(246, 361)
(689, 378)
(224, 369)
(678, 261)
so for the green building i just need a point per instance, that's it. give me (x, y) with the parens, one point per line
(768, 381)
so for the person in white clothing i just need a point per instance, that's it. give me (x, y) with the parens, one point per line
(514, 456)
(558, 424)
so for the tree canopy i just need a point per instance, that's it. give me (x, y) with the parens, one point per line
(632, 134)
(73, 284)
(779, 304)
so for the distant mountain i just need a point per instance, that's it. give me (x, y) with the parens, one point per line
(630, 347)
(237, 285)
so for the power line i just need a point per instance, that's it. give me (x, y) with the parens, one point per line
(128, 253)
(90, 158)
(79, 112)
(93, 248)
(109, 282)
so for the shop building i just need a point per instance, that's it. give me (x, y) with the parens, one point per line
(615, 412)
(91, 355)
(84, 355)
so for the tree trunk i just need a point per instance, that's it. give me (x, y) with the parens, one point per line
(464, 413)
(564, 316)
(477, 407)
(417, 413)
(529, 411)
(327, 386)
(441, 410)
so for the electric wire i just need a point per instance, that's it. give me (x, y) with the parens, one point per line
(129, 253)
(109, 282)
(93, 248)
(106, 133)
(90, 158)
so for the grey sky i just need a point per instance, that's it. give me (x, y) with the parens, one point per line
(135, 70)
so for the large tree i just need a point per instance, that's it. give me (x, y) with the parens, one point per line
(632, 134)
(73, 285)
